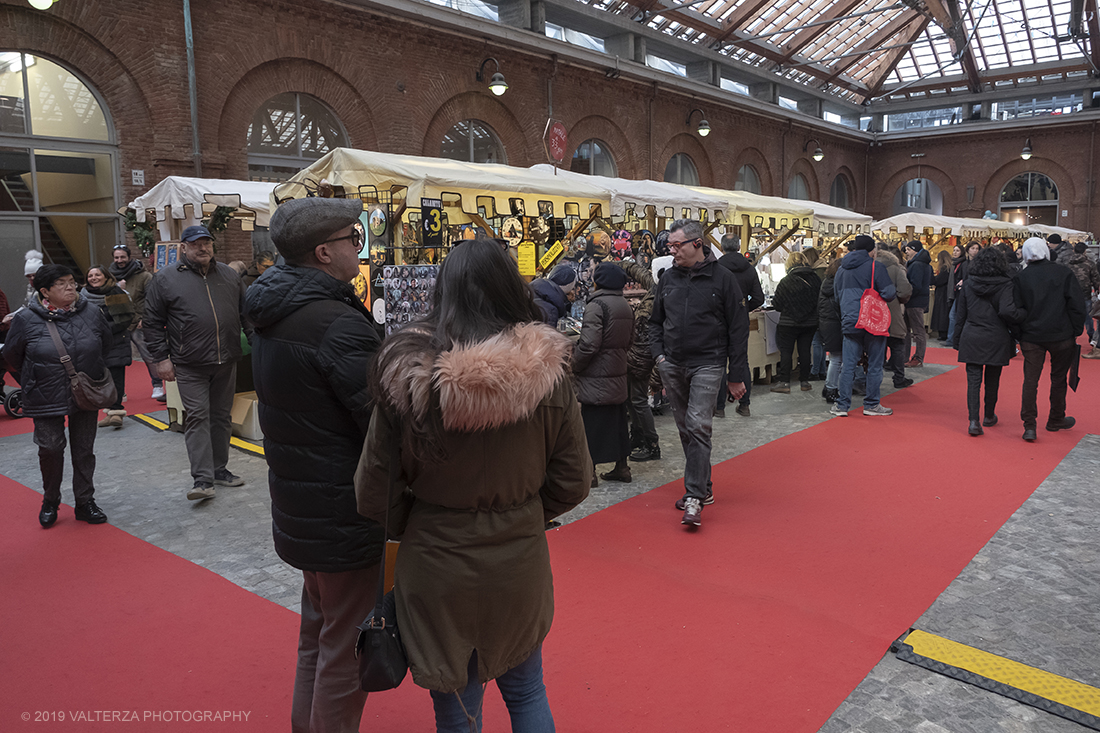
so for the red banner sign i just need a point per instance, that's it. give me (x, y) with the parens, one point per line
(556, 141)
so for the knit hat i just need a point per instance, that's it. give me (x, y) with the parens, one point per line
(863, 242)
(1035, 249)
(564, 277)
(1054, 239)
(914, 245)
(34, 261)
(609, 277)
(299, 225)
(190, 234)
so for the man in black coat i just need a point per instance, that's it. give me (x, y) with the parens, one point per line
(1055, 316)
(918, 270)
(313, 345)
(749, 280)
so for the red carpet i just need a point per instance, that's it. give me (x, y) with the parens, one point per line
(822, 548)
(138, 401)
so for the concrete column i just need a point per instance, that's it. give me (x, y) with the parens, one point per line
(987, 110)
(766, 91)
(538, 17)
(704, 71)
(850, 120)
(516, 13)
(621, 45)
(812, 107)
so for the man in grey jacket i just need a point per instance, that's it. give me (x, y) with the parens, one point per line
(192, 329)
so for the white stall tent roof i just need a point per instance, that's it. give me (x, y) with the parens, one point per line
(958, 226)
(1068, 235)
(184, 198)
(433, 178)
(769, 212)
(835, 220)
(625, 192)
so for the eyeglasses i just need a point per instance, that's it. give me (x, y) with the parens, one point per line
(356, 237)
(678, 245)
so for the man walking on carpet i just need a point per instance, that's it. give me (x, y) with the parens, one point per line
(1055, 308)
(699, 324)
(313, 346)
(193, 332)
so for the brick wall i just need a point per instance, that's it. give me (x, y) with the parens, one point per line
(398, 86)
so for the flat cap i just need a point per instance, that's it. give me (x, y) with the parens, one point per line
(299, 225)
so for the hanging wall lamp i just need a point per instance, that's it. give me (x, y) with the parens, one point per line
(497, 85)
(1026, 152)
(704, 126)
(41, 4)
(818, 153)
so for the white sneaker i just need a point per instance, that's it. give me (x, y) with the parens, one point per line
(834, 410)
(158, 393)
(877, 410)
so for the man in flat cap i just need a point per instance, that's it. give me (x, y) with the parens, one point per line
(192, 329)
(313, 347)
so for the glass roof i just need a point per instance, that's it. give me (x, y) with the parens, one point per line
(863, 49)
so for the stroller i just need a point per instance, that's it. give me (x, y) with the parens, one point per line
(13, 398)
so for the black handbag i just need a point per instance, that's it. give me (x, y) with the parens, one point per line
(383, 663)
(88, 393)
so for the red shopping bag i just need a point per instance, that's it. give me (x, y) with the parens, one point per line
(874, 314)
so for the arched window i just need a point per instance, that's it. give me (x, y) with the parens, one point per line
(472, 141)
(289, 132)
(918, 194)
(748, 180)
(839, 194)
(1030, 198)
(594, 158)
(798, 188)
(681, 169)
(58, 160)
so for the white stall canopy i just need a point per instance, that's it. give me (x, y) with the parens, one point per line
(957, 226)
(668, 199)
(498, 189)
(179, 202)
(1068, 235)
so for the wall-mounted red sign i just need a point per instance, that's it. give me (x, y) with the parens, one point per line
(556, 141)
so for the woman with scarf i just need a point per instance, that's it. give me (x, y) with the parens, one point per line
(104, 293)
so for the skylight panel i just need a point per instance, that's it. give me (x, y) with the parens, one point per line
(656, 62)
(735, 86)
(473, 7)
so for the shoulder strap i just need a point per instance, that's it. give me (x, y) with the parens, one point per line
(395, 456)
(66, 360)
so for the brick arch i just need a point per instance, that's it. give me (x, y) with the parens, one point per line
(601, 128)
(687, 143)
(753, 157)
(802, 166)
(951, 203)
(1067, 194)
(49, 36)
(279, 76)
(480, 106)
(846, 173)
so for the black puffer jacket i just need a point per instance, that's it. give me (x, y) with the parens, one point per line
(551, 300)
(313, 345)
(984, 308)
(919, 272)
(599, 358)
(699, 318)
(192, 318)
(796, 298)
(828, 317)
(1053, 301)
(31, 355)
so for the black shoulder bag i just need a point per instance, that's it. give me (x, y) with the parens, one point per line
(88, 393)
(382, 659)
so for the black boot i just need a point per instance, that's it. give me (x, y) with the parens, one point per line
(48, 515)
(650, 452)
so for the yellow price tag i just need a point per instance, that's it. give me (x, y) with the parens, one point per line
(526, 251)
(551, 255)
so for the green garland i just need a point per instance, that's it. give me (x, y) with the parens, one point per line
(218, 221)
(145, 233)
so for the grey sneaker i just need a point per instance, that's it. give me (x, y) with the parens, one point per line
(877, 410)
(838, 411)
(680, 503)
(201, 490)
(692, 511)
(225, 478)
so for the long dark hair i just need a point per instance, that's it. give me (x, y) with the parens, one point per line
(943, 259)
(478, 294)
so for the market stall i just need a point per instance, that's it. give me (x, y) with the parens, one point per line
(178, 202)
(1067, 235)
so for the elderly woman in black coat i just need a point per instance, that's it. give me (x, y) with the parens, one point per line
(600, 366)
(984, 310)
(30, 352)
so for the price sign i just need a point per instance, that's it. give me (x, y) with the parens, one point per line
(431, 222)
(556, 140)
(526, 251)
(551, 255)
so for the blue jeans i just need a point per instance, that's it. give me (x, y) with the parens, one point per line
(818, 360)
(832, 377)
(693, 392)
(951, 326)
(522, 690)
(854, 346)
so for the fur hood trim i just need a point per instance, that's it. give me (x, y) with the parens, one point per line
(481, 386)
(888, 258)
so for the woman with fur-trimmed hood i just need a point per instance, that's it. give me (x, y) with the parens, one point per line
(476, 405)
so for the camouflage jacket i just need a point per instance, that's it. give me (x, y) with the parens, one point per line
(1085, 269)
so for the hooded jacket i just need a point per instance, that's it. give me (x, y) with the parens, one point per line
(118, 309)
(600, 355)
(32, 356)
(796, 298)
(551, 300)
(639, 360)
(853, 277)
(1052, 300)
(699, 318)
(313, 346)
(903, 288)
(747, 278)
(192, 318)
(918, 270)
(984, 309)
(137, 281)
(1085, 270)
(474, 567)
